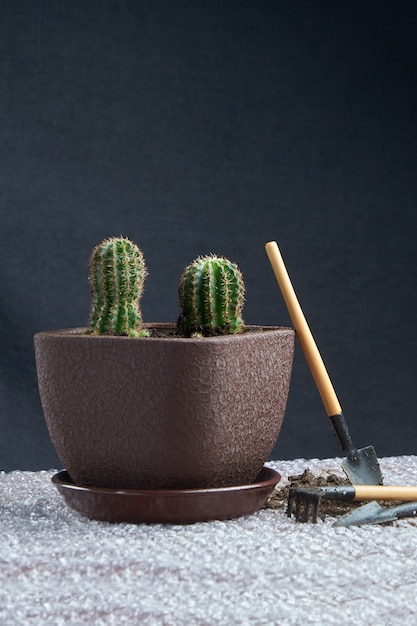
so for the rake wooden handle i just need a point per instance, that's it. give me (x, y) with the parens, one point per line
(311, 352)
(385, 492)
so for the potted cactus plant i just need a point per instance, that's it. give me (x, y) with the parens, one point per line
(196, 404)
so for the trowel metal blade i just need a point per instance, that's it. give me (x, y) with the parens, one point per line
(374, 513)
(363, 468)
(371, 513)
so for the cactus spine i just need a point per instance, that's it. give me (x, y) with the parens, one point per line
(211, 297)
(117, 274)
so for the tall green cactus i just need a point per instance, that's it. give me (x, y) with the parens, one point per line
(117, 274)
(211, 297)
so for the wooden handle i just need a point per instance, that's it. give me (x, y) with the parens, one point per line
(304, 335)
(385, 492)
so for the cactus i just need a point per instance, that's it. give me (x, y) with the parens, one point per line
(117, 274)
(211, 297)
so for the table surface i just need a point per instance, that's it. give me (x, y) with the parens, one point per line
(57, 567)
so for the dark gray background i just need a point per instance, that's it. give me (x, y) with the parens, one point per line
(215, 126)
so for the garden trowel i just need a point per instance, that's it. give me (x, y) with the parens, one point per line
(361, 466)
(374, 513)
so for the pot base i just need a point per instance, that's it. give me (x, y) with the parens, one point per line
(176, 506)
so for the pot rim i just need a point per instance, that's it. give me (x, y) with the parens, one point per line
(79, 332)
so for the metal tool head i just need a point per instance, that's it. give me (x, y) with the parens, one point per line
(367, 514)
(362, 467)
(374, 513)
(304, 503)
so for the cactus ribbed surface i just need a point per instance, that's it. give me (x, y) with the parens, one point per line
(117, 274)
(211, 297)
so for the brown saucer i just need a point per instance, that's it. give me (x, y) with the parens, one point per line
(184, 506)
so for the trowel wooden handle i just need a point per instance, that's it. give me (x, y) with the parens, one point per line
(304, 335)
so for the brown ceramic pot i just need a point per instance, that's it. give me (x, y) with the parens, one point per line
(164, 413)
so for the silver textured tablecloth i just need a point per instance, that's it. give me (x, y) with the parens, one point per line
(57, 567)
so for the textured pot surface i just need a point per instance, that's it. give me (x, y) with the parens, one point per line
(164, 413)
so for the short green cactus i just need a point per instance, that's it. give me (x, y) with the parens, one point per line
(117, 274)
(211, 297)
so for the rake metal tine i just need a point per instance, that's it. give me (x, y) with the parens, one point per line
(290, 503)
(301, 511)
(315, 506)
(304, 504)
(295, 505)
(311, 504)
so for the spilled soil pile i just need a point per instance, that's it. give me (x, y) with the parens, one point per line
(307, 479)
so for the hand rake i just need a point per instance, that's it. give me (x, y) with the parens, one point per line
(303, 502)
